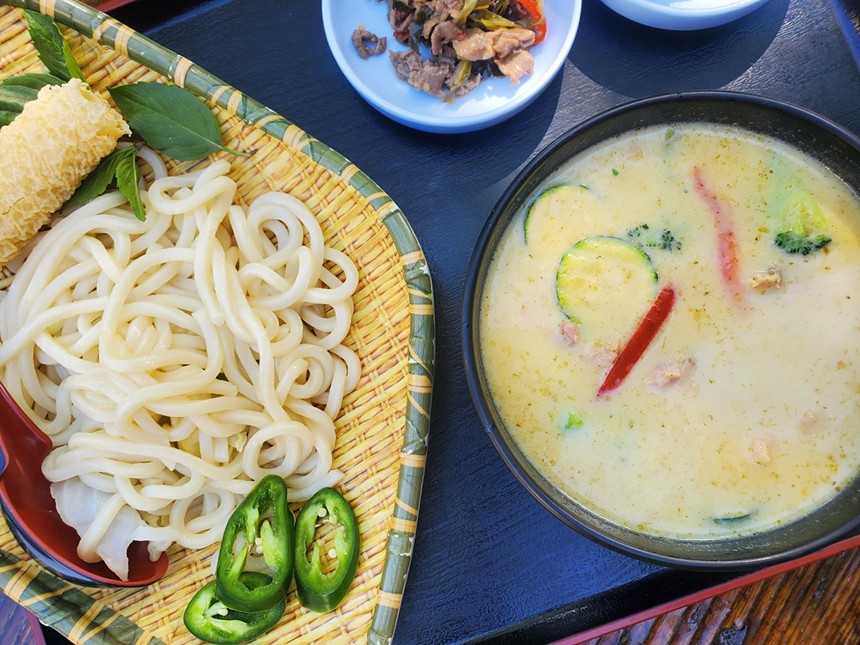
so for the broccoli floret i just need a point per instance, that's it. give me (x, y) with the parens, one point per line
(636, 232)
(802, 225)
(793, 243)
(641, 237)
(668, 241)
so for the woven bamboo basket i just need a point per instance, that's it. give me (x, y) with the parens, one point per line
(383, 428)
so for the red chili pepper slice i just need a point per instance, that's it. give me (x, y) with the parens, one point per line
(535, 9)
(726, 244)
(639, 341)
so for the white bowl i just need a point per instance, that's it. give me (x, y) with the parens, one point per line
(682, 15)
(493, 101)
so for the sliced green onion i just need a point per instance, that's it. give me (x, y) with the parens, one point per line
(468, 7)
(573, 421)
(492, 21)
(461, 73)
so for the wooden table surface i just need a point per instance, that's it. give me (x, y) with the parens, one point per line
(816, 603)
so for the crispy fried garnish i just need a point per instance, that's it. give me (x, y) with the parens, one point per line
(46, 151)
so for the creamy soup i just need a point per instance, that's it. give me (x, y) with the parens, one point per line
(670, 331)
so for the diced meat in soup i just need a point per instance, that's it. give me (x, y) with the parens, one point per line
(770, 278)
(808, 420)
(761, 450)
(569, 332)
(668, 372)
(603, 355)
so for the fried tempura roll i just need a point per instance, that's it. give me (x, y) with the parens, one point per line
(46, 152)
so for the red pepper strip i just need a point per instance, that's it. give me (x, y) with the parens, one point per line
(535, 8)
(727, 247)
(639, 341)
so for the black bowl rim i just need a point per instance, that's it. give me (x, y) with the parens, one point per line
(482, 252)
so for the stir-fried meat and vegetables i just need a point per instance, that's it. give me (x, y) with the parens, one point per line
(468, 40)
(367, 43)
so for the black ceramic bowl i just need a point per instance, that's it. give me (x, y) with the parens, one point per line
(837, 149)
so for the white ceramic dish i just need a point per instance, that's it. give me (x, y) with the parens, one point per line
(493, 101)
(683, 15)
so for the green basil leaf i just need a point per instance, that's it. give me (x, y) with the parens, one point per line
(99, 179)
(71, 63)
(13, 97)
(18, 90)
(53, 49)
(128, 182)
(7, 116)
(33, 80)
(15, 91)
(170, 119)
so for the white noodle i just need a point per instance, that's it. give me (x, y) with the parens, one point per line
(175, 362)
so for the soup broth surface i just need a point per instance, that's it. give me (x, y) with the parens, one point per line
(742, 412)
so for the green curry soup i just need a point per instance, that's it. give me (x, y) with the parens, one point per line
(742, 410)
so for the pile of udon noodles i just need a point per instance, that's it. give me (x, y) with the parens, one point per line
(176, 361)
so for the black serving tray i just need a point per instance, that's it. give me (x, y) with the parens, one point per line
(490, 564)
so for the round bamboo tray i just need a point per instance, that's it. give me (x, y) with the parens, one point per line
(383, 428)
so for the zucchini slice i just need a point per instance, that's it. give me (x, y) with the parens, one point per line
(605, 284)
(554, 202)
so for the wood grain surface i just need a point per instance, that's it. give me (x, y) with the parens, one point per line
(816, 604)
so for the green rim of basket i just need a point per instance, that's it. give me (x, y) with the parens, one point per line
(88, 21)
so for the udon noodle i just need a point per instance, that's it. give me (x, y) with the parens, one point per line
(176, 361)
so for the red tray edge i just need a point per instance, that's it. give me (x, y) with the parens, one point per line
(110, 5)
(710, 592)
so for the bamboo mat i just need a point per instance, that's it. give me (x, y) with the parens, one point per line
(383, 428)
